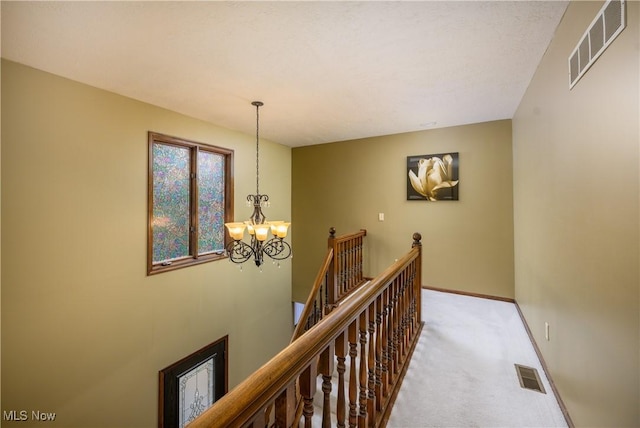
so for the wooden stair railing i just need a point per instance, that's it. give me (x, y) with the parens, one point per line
(346, 273)
(340, 274)
(376, 328)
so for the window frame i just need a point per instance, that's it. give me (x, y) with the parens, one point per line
(193, 258)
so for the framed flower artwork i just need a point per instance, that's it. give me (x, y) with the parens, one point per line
(433, 177)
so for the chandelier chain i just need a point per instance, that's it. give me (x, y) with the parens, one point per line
(257, 147)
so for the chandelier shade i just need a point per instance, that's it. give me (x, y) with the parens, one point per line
(257, 227)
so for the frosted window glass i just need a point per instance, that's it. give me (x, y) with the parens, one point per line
(171, 200)
(211, 186)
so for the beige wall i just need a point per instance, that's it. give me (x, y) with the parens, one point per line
(576, 187)
(468, 244)
(84, 330)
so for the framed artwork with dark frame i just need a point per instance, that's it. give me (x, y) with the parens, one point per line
(433, 177)
(190, 386)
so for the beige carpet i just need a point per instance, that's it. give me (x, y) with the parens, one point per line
(462, 373)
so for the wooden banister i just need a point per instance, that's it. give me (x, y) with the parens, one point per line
(340, 274)
(378, 326)
(309, 307)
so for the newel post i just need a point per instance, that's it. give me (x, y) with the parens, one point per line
(418, 277)
(331, 272)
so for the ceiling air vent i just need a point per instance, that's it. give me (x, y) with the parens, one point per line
(606, 26)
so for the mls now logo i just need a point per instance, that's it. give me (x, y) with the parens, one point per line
(23, 415)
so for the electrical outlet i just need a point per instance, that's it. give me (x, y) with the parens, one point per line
(380, 216)
(546, 330)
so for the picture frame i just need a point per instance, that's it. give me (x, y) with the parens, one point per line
(433, 177)
(191, 385)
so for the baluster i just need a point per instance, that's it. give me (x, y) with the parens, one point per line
(379, 355)
(353, 354)
(351, 263)
(392, 331)
(362, 254)
(357, 256)
(408, 300)
(416, 290)
(396, 332)
(343, 261)
(402, 322)
(286, 407)
(326, 403)
(345, 267)
(385, 342)
(327, 299)
(308, 390)
(362, 416)
(322, 303)
(371, 364)
(349, 253)
(258, 421)
(267, 413)
(347, 246)
(341, 349)
(325, 367)
(354, 266)
(355, 260)
(408, 308)
(343, 280)
(360, 257)
(315, 312)
(399, 324)
(338, 267)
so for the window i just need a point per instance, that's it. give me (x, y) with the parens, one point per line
(190, 199)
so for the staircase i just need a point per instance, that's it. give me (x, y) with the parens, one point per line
(345, 364)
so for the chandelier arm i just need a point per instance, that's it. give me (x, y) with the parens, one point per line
(239, 252)
(277, 249)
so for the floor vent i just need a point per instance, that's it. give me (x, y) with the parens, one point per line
(529, 379)
(608, 23)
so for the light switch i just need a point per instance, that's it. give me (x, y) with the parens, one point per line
(380, 216)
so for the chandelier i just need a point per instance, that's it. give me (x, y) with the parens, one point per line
(258, 228)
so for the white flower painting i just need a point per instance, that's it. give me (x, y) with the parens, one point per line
(433, 177)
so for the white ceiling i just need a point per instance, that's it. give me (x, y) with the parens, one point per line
(326, 71)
